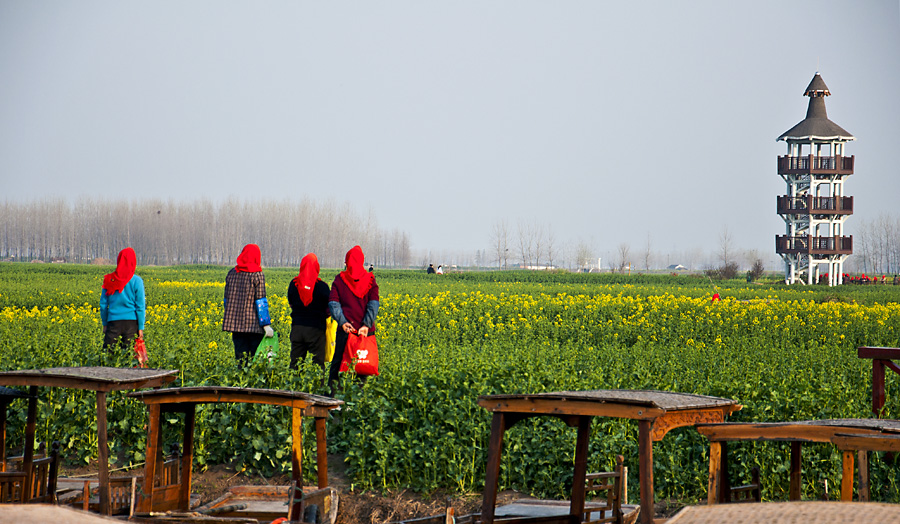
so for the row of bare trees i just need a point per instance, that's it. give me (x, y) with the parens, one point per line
(198, 232)
(876, 248)
(532, 245)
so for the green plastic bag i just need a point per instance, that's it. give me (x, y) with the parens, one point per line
(267, 349)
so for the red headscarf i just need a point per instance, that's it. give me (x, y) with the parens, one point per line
(249, 259)
(306, 280)
(125, 264)
(355, 276)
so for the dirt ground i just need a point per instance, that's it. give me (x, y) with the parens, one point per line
(354, 507)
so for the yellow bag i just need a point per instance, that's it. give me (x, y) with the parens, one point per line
(330, 334)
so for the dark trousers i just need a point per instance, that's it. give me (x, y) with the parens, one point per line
(305, 340)
(245, 345)
(120, 332)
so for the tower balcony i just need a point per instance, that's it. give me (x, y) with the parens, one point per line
(810, 245)
(815, 165)
(810, 205)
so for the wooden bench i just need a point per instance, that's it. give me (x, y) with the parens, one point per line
(12, 487)
(45, 470)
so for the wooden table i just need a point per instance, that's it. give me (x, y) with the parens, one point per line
(102, 380)
(657, 412)
(797, 432)
(176, 495)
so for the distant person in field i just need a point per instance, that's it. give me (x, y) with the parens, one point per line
(440, 269)
(430, 269)
(308, 295)
(122, 303)
(354, 306)
(371, 268)
(246, 306)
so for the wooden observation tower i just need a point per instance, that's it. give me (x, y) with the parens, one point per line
(815, 208)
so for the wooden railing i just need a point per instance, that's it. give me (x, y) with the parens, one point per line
(815, 165)
(836, 245)
(810, 205)
(881, 358)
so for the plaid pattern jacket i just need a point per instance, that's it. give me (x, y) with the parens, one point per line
(242, 289)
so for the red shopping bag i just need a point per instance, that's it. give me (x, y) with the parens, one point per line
(140, 352)
(362, 354)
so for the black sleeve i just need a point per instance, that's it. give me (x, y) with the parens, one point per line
(293, 295)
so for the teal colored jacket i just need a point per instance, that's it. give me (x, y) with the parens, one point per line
(129, 304)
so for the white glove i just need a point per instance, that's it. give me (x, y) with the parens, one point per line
(269, 331)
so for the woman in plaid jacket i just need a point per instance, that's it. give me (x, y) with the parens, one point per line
(246, 307)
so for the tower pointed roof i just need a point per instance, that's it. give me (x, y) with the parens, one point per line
(816, 125)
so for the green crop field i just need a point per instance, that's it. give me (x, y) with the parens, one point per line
(784, 353)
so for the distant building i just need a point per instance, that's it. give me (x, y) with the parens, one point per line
(815, 208)
(676, 267)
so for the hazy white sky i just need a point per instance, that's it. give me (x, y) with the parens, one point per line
(607, 121)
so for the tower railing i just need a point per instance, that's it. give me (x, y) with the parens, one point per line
(810, 205)
(810, 245)
(815, 165)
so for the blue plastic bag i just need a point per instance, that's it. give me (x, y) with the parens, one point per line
(262, 311)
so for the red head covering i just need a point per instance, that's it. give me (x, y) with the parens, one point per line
(356, 276)
(306, 280)
(249, 259)
(125, 264)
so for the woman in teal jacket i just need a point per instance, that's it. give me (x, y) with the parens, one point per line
(122, 302)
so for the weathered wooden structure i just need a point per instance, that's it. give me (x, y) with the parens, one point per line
(846, 433)
(882, 358)
(789, 512)
(166, 489)
(814, 208)
(657, 413)
(101, 380)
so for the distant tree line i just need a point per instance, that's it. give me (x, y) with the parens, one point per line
(197, 232)
(876, 248)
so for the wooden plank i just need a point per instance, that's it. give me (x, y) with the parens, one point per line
(297, 458)
(795, 487)
(580, 471)
(878, 352)
(152, 459)
(645, 471)
(778, 431)
(103, 454)
(847, 477)
(28, 453)
(492, 468)
(187, 461)
(876, 442)
(571, 407)
(321, 453)
(715, 478)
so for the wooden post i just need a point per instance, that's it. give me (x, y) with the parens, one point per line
(863, 468)
(297, 459)
(724, 481)
(795, 489)
(645, 472)
(492, 468)
(103, 454)
(321, 453)
(28, 452)
(580, 470)
(847, 477)
(715, 458)
(145, 504)
(3, 408)
(877, 386)
(187, 458)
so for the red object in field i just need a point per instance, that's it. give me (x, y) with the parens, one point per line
(716, 298)
(140, 352)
